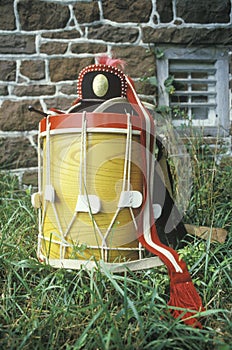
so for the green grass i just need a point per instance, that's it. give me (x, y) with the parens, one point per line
(45, 308)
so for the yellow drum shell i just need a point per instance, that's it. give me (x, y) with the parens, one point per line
(69, 234)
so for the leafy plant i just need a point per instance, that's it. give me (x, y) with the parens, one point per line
(169, 85)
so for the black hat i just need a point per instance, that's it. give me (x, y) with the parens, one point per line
(101, 82)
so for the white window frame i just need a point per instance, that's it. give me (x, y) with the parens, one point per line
(218, 122)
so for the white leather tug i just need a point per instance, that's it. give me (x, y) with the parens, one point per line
(88, 203)
(36, 200)
(157, 210)
(49, 193)
(130, 199)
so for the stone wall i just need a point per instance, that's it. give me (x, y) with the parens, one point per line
(45, 43)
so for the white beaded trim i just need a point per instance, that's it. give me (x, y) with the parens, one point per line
(102, 68)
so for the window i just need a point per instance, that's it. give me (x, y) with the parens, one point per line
(201, 82)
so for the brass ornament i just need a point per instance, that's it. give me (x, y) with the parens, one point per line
(100, 85)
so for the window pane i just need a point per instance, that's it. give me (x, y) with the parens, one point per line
(200, 113)
(199, 75)
(199, 87)
(181, 86)
(200, 98)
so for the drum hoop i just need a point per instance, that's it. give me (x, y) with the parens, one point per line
(69, 245)
(89, 130)
(76, 264)
(94, 120)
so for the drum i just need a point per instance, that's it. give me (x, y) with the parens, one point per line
(90, 188)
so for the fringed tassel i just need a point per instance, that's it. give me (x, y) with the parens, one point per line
(184, 295)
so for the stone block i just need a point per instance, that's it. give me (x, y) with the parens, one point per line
(34, 90)
(86, 12)
(14, 115)
(88, 48)
(37, 15)
(17, 153)
(64, 34)
(113, 34)
(139, 61)
(53, 48)
(62, 69)
(7, 70)
(17, 43)
(7, 17)
(3, 90)
(188, 36)
(164, 8)
(33, 69)
(136, 11)
(145, 88)
(69, 89)
(207, 11)
(62, 103)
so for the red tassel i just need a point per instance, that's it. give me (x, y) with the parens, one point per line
(184, 295)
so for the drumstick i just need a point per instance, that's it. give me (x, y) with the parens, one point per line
(32, 109)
